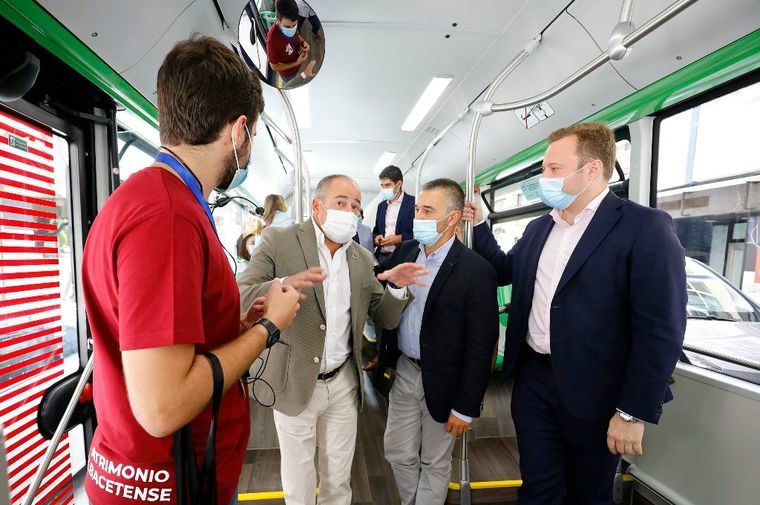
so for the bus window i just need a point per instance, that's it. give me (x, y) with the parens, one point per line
(708, 181)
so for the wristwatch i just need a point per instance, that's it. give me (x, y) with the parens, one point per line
(628, 418)
(272, 330)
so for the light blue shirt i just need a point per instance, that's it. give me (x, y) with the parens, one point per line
(411, 320)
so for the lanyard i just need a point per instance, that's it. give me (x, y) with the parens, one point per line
(190, 181)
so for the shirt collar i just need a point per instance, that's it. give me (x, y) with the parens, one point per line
(442, 251)
(591, 208)
(400, 199)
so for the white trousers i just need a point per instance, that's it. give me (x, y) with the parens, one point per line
(329, 420)
(417, 446)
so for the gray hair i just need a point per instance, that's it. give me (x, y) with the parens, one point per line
(454, 192)
(325, 183)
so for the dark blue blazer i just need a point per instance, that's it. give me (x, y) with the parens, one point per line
(460, 328)
(404, 222)
(619, 313)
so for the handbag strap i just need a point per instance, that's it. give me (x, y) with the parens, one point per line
(194, 486)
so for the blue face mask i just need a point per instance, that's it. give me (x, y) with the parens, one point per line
(552, 194)
(388, 193)
(241, 173)
(289, 32)
(426, 230)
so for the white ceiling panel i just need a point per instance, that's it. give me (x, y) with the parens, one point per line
(125, 30)
(702, 28)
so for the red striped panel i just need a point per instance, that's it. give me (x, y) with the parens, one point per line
(27, 287)
(31, 361)
(26, 161)
(26, 187)
(28, 224)
(29, 324)
(25, 173)
(28, 337)
(36, 371)
(40, 380)
(27, 212)
(39, 449)
(41, 250)
(28, 236)
(54, 473)
(29, 275)
(29, 299)
(27, 179)
(29, 312)
(28, 350)
(65, 496)
(28, 262)
(40, 134)
(27, 199)
(32, 150)
(10, 408)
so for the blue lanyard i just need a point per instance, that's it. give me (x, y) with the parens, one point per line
(189, 180)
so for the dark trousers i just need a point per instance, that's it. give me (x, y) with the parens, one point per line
(563, 460)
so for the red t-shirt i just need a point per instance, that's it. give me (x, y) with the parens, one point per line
(282, 49)
(155, 274)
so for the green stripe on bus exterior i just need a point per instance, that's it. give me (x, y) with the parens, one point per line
(734, 60)
(47, 31)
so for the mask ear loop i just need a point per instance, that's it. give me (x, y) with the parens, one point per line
(234, 149)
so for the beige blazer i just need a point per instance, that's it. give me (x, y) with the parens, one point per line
(293, 363)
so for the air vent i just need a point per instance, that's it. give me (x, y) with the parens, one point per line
(432, 130)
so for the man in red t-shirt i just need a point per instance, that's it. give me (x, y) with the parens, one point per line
(286, 50)
(159, 290)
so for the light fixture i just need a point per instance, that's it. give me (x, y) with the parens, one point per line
(299, 99)
(384, 160)
(431, 95)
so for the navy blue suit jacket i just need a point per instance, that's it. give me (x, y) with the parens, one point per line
(404, 223)
(460, 328)
(619, 313)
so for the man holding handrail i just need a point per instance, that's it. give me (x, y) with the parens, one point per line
(596, 322)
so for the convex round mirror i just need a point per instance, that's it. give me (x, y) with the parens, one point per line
(283, 40)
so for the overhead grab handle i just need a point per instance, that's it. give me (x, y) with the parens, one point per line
(625, 27)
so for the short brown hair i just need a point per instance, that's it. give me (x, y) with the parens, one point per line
(594, 142)
(202, 86)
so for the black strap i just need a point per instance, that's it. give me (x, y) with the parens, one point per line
(194, 487)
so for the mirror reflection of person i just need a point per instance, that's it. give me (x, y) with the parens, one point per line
(286, 50)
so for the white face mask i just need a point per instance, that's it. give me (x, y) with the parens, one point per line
(340, 226)
(250, 248)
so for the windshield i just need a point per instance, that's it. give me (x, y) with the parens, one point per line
(711, 297)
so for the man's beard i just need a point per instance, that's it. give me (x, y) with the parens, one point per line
(230, 167)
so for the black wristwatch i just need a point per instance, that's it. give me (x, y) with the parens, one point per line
(272, 330)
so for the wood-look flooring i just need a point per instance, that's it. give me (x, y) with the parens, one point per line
(493, 455)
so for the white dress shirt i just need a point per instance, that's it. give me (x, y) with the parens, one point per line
(559, 247)
(391, 217)
(337, 290)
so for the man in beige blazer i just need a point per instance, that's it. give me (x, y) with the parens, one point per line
(312, 377)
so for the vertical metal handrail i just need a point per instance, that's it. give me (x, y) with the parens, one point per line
(434, 143)
(296, 142)
(478, 118)
(59, 431)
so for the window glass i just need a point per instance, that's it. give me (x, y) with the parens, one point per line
(708, 180)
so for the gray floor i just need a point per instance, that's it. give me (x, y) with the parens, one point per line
(493, 455)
